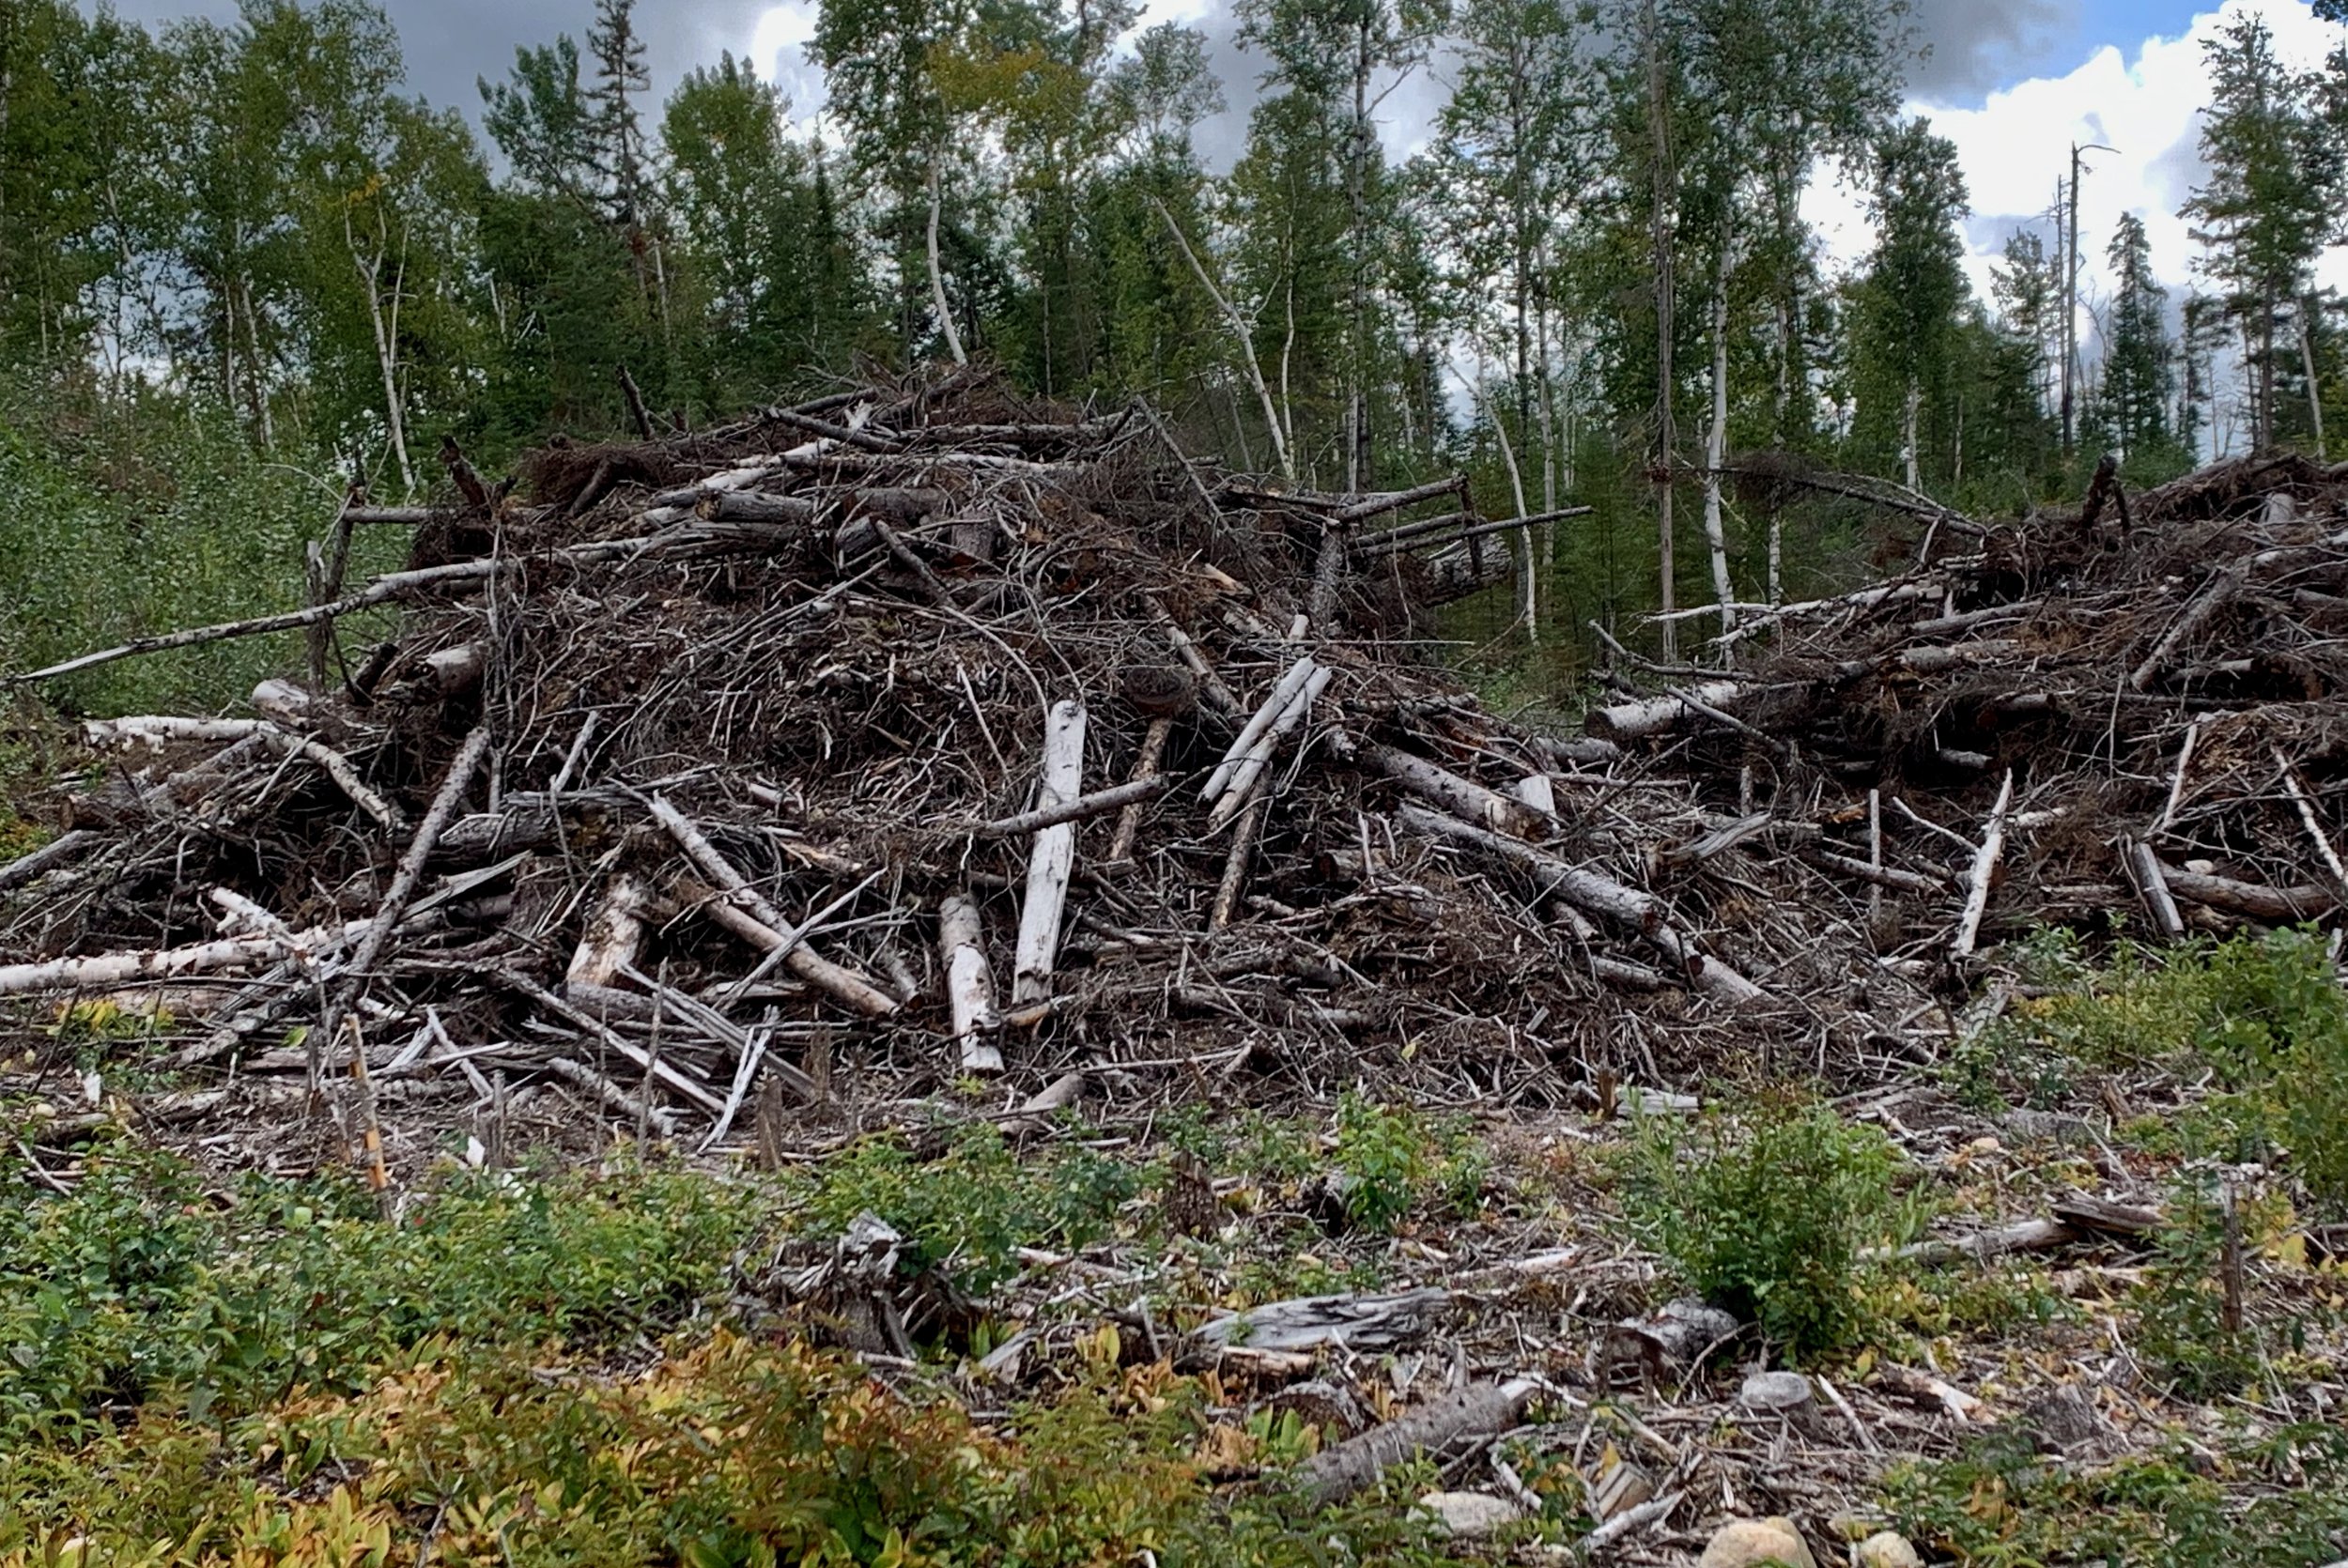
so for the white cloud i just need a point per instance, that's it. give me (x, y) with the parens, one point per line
(779, 53)
(2016, 147)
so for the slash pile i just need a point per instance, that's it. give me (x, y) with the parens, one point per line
(914, 733)
(922, 732)
(2123, 711)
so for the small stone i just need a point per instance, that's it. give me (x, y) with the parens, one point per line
(1887, 1549)
(1469, 1514)
(1750, 1543)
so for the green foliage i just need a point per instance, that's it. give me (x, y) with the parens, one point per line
(2266, 1013)
(1395, 1162)
(734, 1453)
(1999, 1505)
(2182, 1325)
(144, 1283)
(1774, 1215)
(969, 1208)
(123, 519)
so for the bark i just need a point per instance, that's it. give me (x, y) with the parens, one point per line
(1052, 859)
(1246, 338)
(969, 985)
(937, 276)
(1463, 798)
(1716, 449)
(1664, 179)
(1983, 872)
(1098, 804)
(614, 936)
(2273, 905)
(1482, 1411)
(1145, 766)
(386, 338)
(1283, 692)
(1245, 778)
(1624, 721)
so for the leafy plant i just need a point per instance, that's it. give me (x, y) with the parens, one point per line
(2266, 1013)
(1393, 1161)
(971, 1207)
(1780, 1216)
(1998, 1505)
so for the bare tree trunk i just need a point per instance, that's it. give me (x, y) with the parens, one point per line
(1907, 432)
(1357, 461)
(386, 346)
(937, 277)
(257, 384)
(1716, 446)
(2306, 367)
(1529, 576)
(1659, 126)
(1238, 325)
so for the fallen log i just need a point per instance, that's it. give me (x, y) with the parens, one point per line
(762, 925)
(1625, 721)
(1251, 768)
(1984, 868)
(2275, 906)
(31, 867)
(1589, 891)
(1098, 804)
(1481, 1410)
(1463, 798)
(1052, 858)
(969, 985)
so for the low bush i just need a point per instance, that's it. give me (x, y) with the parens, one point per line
(2000, 1505)
(971, 1207)
(2267, 1014)
(147, 1285)
(1780, 1216)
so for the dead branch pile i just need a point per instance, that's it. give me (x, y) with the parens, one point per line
(913, 734)
(2133, 709)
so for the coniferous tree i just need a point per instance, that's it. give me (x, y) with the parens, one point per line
(2139, 367)
(2269, 206)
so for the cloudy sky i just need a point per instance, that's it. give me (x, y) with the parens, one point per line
(2014, 83)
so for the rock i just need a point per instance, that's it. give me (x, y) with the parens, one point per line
(1469, 1514)
(1887, 1549)
(1750, 1543)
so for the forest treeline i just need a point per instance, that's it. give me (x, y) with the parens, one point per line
(1597, 272)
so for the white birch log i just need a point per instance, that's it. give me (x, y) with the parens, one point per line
(614, 936)
(1284, 692)
(117, 969)
(156, 731)
(1985, 870)
(1053, 858)
(1624, 721)
(1251, 767)
(969, 985)
(1462, 797)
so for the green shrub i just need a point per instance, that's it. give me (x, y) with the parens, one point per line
(2266, 1013)
(1778, 1216)
(1394, 1161)
(144, 1282)
(971, 1209)
(123, 518)
(1999, 1505)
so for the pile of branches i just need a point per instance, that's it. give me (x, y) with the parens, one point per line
(2130, 709)
(915, 733)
